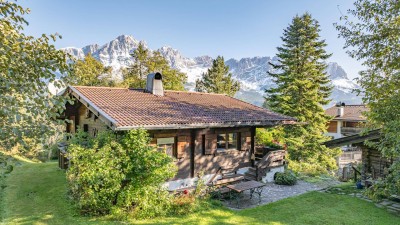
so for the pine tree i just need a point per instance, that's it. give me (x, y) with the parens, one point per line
(90, 72)
(146, 62)
(218, 79)
(302, 89)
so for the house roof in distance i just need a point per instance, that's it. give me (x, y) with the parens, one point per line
(350, 113)
(135, 108)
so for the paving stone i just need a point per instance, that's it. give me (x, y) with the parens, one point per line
(273, 192)
(396, 205)
(386, 202)
(393, 209)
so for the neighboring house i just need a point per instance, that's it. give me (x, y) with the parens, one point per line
(348, 120)
(202, 132)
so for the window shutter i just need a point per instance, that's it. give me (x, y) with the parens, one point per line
(245, 141)
(210, 144)
(153, 142)
(182, 146)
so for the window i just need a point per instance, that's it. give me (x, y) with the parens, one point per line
(86, 128)
(232, 141)
(166, 145)
(221, 141)
(227, 141)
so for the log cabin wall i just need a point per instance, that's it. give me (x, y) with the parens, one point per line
(82, 119)
(204, 159)
(373, 162)
(89, 122)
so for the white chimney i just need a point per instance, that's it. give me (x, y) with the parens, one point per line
(340, 109)
(154, 84)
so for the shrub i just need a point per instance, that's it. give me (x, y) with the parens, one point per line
(125, 174)
(285, 178)
(388, 186)
(269, 137)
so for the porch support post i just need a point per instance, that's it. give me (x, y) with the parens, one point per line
(192, 151)
(252, 145)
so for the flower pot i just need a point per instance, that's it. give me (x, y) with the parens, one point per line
(359, 185)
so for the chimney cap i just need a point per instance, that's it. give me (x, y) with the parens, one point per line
(154, 84)
(340, 104)
(158, 76)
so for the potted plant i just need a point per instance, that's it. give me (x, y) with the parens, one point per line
(359, 184)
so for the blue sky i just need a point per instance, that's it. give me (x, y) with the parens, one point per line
(233, 29)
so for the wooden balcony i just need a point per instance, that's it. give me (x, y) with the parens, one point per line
(351, 130)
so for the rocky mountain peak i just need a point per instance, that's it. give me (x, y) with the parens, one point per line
(335, 71)
(90, 49)
(251, 72)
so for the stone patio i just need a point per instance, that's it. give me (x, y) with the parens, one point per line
(273, 192)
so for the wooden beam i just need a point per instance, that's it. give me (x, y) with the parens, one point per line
(252, 145)
(192, 151)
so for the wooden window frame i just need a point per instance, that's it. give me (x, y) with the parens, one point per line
(226, 134)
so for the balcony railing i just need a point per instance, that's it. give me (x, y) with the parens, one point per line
(351, 130)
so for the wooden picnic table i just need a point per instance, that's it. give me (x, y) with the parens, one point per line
(236, 190)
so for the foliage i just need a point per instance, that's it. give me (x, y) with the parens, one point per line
(27, 65)
(390, 186)
(146, 62)
(303, 87)
(372, 32)
(271, 137)
(218, 79)
(44, 202)
(110, 173)
(6, 165)
(90, 72)
(285, 178)
(311, 168)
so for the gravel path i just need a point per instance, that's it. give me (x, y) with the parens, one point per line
(273, 192)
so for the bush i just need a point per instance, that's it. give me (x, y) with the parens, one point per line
(120, 175)
(285, 178)
(269, 137)
(387, 187)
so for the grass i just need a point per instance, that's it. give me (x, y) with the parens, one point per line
(36, 194)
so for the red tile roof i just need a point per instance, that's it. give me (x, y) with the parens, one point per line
(351, 112)
(128, 108)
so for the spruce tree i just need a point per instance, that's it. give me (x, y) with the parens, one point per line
(218, 79)
(302, 88)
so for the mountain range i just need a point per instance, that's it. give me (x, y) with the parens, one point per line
(250, 72)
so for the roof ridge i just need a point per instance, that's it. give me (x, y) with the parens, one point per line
(195, 92)
(99, 87)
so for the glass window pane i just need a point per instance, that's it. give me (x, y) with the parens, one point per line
(166, 145)
(232, 140)
(221, 142)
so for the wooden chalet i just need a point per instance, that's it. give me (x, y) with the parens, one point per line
(201, 131)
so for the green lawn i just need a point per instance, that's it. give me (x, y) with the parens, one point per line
(36, 194)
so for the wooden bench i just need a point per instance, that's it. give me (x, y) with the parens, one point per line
(228, 176)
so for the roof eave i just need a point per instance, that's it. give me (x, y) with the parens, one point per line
(205, 125)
